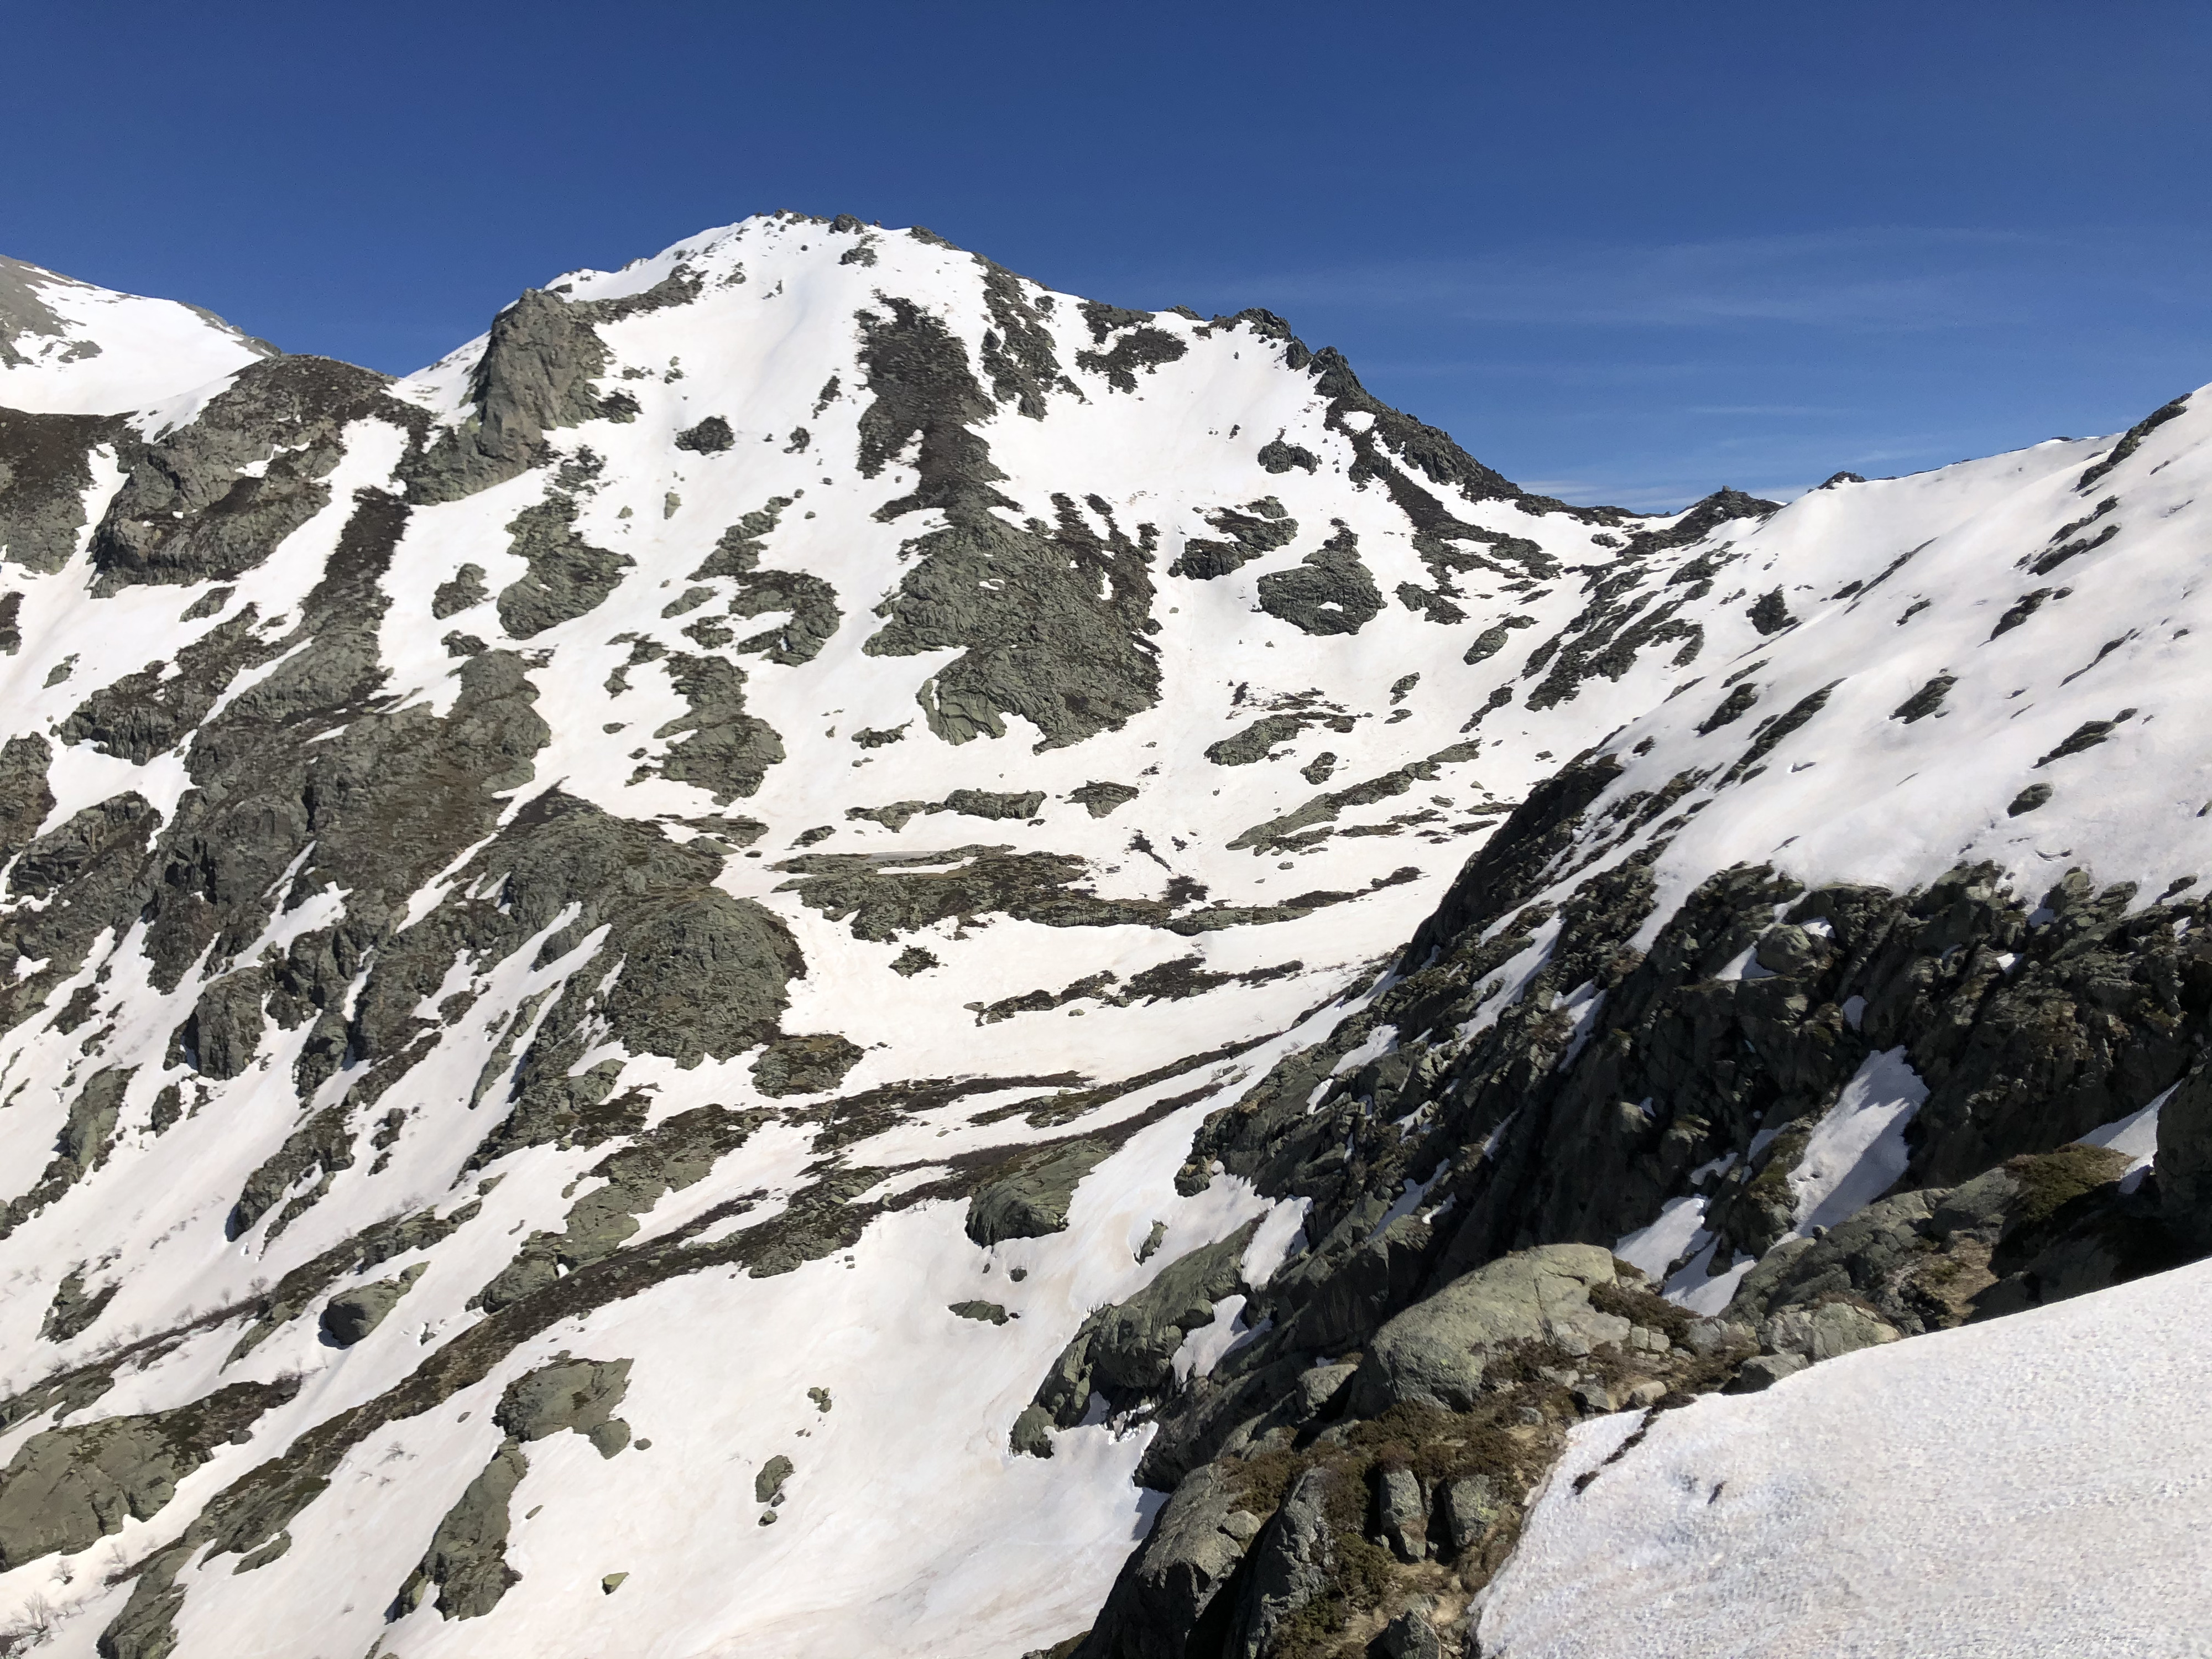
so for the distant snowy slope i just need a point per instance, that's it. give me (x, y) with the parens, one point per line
(67, 347)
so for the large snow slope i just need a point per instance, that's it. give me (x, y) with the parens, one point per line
(1049, 716)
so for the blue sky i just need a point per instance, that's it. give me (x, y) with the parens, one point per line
(1622, 251)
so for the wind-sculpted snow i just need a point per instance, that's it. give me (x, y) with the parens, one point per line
(586, 861)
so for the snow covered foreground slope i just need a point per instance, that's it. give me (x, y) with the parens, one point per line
(2070, 1515)
(551, 898)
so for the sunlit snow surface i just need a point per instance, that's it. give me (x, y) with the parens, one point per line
(910, 1527)
(87, 350)
(2033, 1486)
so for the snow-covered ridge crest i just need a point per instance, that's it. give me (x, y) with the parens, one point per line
(710, 857)
(67, 347)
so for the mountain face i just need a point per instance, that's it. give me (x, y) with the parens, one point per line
(549, 900)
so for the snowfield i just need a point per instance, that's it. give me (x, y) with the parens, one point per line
(2030, 1487)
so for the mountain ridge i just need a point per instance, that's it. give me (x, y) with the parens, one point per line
(460, 838)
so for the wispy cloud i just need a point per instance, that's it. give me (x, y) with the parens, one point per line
(1776, 411)
(1884, 277)
(1647, 372)
(1780, 472)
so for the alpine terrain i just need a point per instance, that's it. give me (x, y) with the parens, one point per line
(819, 953)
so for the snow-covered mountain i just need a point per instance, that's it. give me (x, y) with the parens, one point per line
(550, 900)
(67, 348)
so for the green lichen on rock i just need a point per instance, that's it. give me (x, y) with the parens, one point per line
(466, 1561)
(1331, 591)
(1435, 1351)
(568, 577)
(67, 1488)
(1031, 1199)
(351, 1314)
(1492, 640)
(1099, 800)
(804, 1065)
(768, 1485)
(575, 1394)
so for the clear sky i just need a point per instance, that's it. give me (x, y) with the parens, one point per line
(1623, 252)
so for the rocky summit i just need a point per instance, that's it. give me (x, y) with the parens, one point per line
(1641, 1085)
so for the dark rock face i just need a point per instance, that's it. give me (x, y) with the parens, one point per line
(2185, 1160)
(568, 578)
(68, 1487)
(45, 469)
(1252, 533)
(1168, 1604)
(350, 1315)
(1099, 800)
(804, 1064)
(1252, 743)
(537, 374)
(710, 437)
(466, 1562)
(1433, 1353)
(723, 749)
(76, 1307)
(1125, 1351)
(1079, 591)
(188, 512)
(1331, 593)
(1291, 1565)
